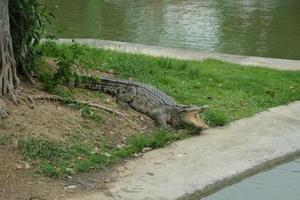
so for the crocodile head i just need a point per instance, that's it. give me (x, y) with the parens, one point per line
(189, 115)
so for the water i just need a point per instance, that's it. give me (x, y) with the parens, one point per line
(268, 28)
(280, 183)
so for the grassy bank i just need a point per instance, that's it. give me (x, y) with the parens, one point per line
(57, 159)
(231, 91)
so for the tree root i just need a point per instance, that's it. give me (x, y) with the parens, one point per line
(8, 69)
(19, 97)
(86, 103)
(3, 112)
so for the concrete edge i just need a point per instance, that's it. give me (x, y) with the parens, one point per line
(286, 154)
(230, 180)
(182, 54)
(218, 185)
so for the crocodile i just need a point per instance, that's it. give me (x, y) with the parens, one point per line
(148, 100)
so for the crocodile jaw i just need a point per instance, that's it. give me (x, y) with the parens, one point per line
(193, 119)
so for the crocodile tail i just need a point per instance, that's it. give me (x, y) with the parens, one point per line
(100, 84)
(88, 82)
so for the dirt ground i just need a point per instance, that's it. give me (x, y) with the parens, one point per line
(20, 181)
(56, 121)
(17, 182)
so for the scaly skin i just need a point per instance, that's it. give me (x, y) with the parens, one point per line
(148, 100)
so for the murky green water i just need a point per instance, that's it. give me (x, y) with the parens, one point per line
(280, 183)
(251, 27)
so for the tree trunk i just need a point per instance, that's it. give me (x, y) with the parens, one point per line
(8, 72)
(20, 25)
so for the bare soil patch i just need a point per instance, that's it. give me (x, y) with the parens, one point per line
(17, 182)
(55, 121)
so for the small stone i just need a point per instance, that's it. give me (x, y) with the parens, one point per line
(70, 170)
(150, 173)
(111, 71)
(146, 149)
(205, 106)
(18, 166)
(71, 105)
(69, 177)
(70, 187)
(107, 180)
(107, 154)
(111, 132)
(120, 146)
(135, 155)
(95, 150)
(142, 118)
(27, 165)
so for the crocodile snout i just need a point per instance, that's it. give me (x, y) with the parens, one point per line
(192, 118)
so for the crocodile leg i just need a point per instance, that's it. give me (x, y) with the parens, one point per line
(158, 116)
(124, 98)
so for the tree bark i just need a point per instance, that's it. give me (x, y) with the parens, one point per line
(8, 70)
(20, 24)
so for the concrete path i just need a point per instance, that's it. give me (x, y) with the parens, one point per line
(280, 64)
(193, 167)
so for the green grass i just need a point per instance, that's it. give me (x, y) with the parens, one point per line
(57, 159)
(218, 118)
(89, 113)
(232, 91)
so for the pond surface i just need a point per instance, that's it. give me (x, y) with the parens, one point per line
(268, 28)
(280, 183)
